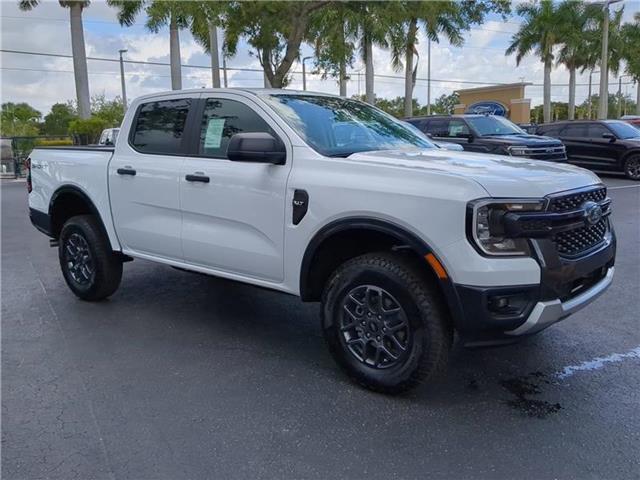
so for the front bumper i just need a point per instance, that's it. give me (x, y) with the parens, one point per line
(566, 286)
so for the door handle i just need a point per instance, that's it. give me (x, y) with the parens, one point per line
(126, 171)
(197, 177)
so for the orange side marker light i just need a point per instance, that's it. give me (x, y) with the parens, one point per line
(436, 265)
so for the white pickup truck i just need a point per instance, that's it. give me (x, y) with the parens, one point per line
(335, 201)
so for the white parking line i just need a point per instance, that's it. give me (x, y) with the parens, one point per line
(623, 186)
(597, 363)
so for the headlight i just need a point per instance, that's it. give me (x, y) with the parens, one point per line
(518, 151)
(486, 226)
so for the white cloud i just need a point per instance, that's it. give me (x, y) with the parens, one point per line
(46, 29)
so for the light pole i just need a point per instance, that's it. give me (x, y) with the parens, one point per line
(604, 69)
(304, 73)
(589, 97)
(124, 87)
(224, 71)
(429, 76)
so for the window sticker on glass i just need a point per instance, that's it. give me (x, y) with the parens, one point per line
(213, 137)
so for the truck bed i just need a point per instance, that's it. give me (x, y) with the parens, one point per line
(84, 169)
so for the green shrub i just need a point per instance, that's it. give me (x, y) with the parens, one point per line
(59, 142)
(88, 130)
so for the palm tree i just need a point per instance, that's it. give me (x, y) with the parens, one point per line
(77, 50)
(333, 33)
(373, 27)
(631, 42)
(541, 31)
(615, 44)
(159, 14)
(206, 17)
(575, 51)
(448, 18)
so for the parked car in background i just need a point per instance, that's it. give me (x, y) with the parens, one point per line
(632, 119)
(611, 145)
(108, 137)
(529, 127)
(489, 134)
(453, 147)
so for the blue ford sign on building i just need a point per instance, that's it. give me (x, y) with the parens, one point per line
(487, 108)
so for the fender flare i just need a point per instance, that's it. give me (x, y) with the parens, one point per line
(73, 190)
(401, 234)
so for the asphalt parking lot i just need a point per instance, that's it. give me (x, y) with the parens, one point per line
(184, 376)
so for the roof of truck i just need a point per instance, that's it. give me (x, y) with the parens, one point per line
(254, 91)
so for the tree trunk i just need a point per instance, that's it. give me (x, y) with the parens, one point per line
(368, 72)
(408, 68)
(638, 96)
(546, 109)
(215, 58)
(174, 55)
(343, 78)
(268, 78)
(572, 93)
(79, 60)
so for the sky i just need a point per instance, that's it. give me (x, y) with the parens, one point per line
(43, 80)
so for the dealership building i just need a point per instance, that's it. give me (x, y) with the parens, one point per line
(507, 100)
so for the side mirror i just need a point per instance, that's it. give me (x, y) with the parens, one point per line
(257, 147)
(610, 136)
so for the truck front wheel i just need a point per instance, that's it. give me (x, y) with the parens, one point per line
(89, 266)
(384, 324)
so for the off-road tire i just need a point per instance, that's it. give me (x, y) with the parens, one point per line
(105, 265)
(430, 328)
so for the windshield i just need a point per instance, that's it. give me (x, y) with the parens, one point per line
(492, 125)
(623, 130)
(337, 127)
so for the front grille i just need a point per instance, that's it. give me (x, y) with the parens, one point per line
(567, 203)
(545, 153)
(580, 240)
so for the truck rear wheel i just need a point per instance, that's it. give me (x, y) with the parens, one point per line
(384, 324)
(89, 266)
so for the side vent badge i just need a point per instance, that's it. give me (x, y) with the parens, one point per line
(300, 205)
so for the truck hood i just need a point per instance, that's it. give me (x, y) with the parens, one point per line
(499, 175)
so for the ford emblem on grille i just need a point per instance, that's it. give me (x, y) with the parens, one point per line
(592, 212)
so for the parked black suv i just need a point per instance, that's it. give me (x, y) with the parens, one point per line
(599, 144)
(489, 134)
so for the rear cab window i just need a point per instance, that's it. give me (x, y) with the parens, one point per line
(158, 126)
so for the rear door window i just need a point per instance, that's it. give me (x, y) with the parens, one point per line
(576, 130)
(159, 126)
(457, 128)
(438, 128)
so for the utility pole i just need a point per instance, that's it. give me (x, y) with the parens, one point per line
(122, 82)
(429, 76)
(589, 105)
(620, 96)
(604, 68)
(304, 73)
